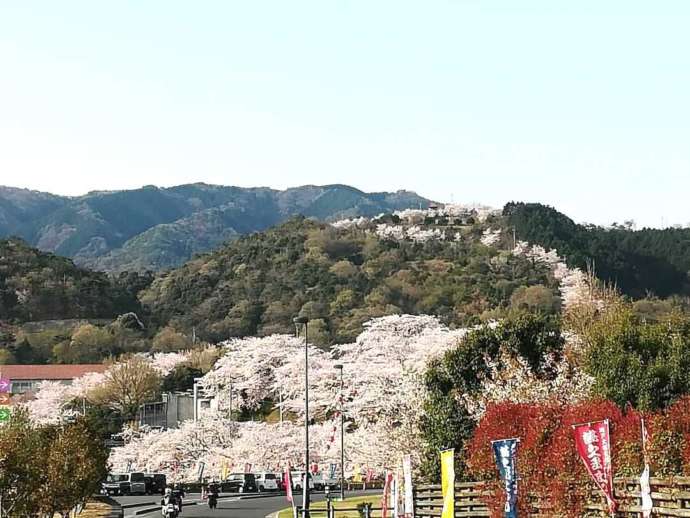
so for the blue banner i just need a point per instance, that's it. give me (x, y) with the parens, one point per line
(505, 452)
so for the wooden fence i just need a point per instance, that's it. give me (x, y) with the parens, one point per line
(671, 498)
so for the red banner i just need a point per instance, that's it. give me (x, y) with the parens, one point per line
(386, 494)
(593, 441)
(287, 482)
(370, 475)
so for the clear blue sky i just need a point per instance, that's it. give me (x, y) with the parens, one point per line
(584, 105)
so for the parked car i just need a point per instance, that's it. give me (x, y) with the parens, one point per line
(240, 483)
(279, 480)
(266, 482)
(156, 483)
(298, 480)
(318, 481)
(124, 484)
(332, 483)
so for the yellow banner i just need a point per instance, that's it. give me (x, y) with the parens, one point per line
(357, 475)
(448, 483)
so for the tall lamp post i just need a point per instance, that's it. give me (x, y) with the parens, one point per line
(339, 367)
(299, 323)
(196, 399)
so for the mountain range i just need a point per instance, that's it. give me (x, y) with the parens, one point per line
(156, 229)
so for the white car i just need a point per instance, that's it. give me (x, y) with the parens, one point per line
(318, 481)
(332, 483)
(298, 480)
(266, 482)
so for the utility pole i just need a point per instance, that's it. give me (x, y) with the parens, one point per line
(196, 399)
(339, 367)
(299, 322)
(281, 406)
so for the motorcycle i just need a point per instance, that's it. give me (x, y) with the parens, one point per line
(169, 510)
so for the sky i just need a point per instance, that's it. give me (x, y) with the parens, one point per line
(581, 105)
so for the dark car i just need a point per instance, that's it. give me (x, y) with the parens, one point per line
(156, 483)
(125, 484)
(240, 483)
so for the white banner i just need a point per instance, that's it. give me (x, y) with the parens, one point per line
(409, 498)
(645, 490)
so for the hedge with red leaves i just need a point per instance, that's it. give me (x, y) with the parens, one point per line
(548, 463)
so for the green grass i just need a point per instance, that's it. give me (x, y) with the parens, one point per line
(348, 503)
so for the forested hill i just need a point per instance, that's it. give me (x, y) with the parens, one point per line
(35, 285)
(160, 228)
(639, 262)
(341, 278)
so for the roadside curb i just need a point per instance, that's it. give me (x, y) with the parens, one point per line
(116, 510)
(154, 506)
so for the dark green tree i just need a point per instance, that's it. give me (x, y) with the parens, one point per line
(445, 423)
(181, 378)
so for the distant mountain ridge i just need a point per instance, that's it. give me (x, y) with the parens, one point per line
(154, 228)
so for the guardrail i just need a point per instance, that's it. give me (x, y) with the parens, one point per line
(671, 497)
(367, 511)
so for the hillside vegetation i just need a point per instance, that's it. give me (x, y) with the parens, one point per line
(156, 229)
(340, 279)
(638, 262)
(35, 285)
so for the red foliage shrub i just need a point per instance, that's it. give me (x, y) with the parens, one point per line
(669, 447)
(548, 464)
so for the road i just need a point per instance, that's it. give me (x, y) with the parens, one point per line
(248, 506)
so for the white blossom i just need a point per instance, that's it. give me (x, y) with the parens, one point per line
(490, 237)
(164, 363)
(573, 282)
(512, 379)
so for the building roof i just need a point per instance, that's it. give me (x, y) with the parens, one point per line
(48, 372)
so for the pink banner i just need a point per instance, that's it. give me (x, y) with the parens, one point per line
(370, 475)
(386, 494)
(593, 443)
(287, 482)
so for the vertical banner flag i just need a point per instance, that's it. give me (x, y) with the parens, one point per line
(386, 494)
(200, 470)
(408, 508)
(247, 467)
(357, 474)
(370, 475)
(645, 490)
(287, 482)
(593, 441)
(395, 496)
(448, 483)
(331, 470)
(505, 452)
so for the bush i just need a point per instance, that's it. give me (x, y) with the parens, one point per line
(547, 461)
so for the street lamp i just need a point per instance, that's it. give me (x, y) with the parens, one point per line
(196, 399)
(339, 367)
(299, 322)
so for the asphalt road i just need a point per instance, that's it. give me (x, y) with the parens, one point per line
(233, 507)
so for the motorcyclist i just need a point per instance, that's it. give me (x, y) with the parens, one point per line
(178, 494)
(168, 500)
(213, 491)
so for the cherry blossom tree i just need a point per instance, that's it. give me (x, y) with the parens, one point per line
(512, 379)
